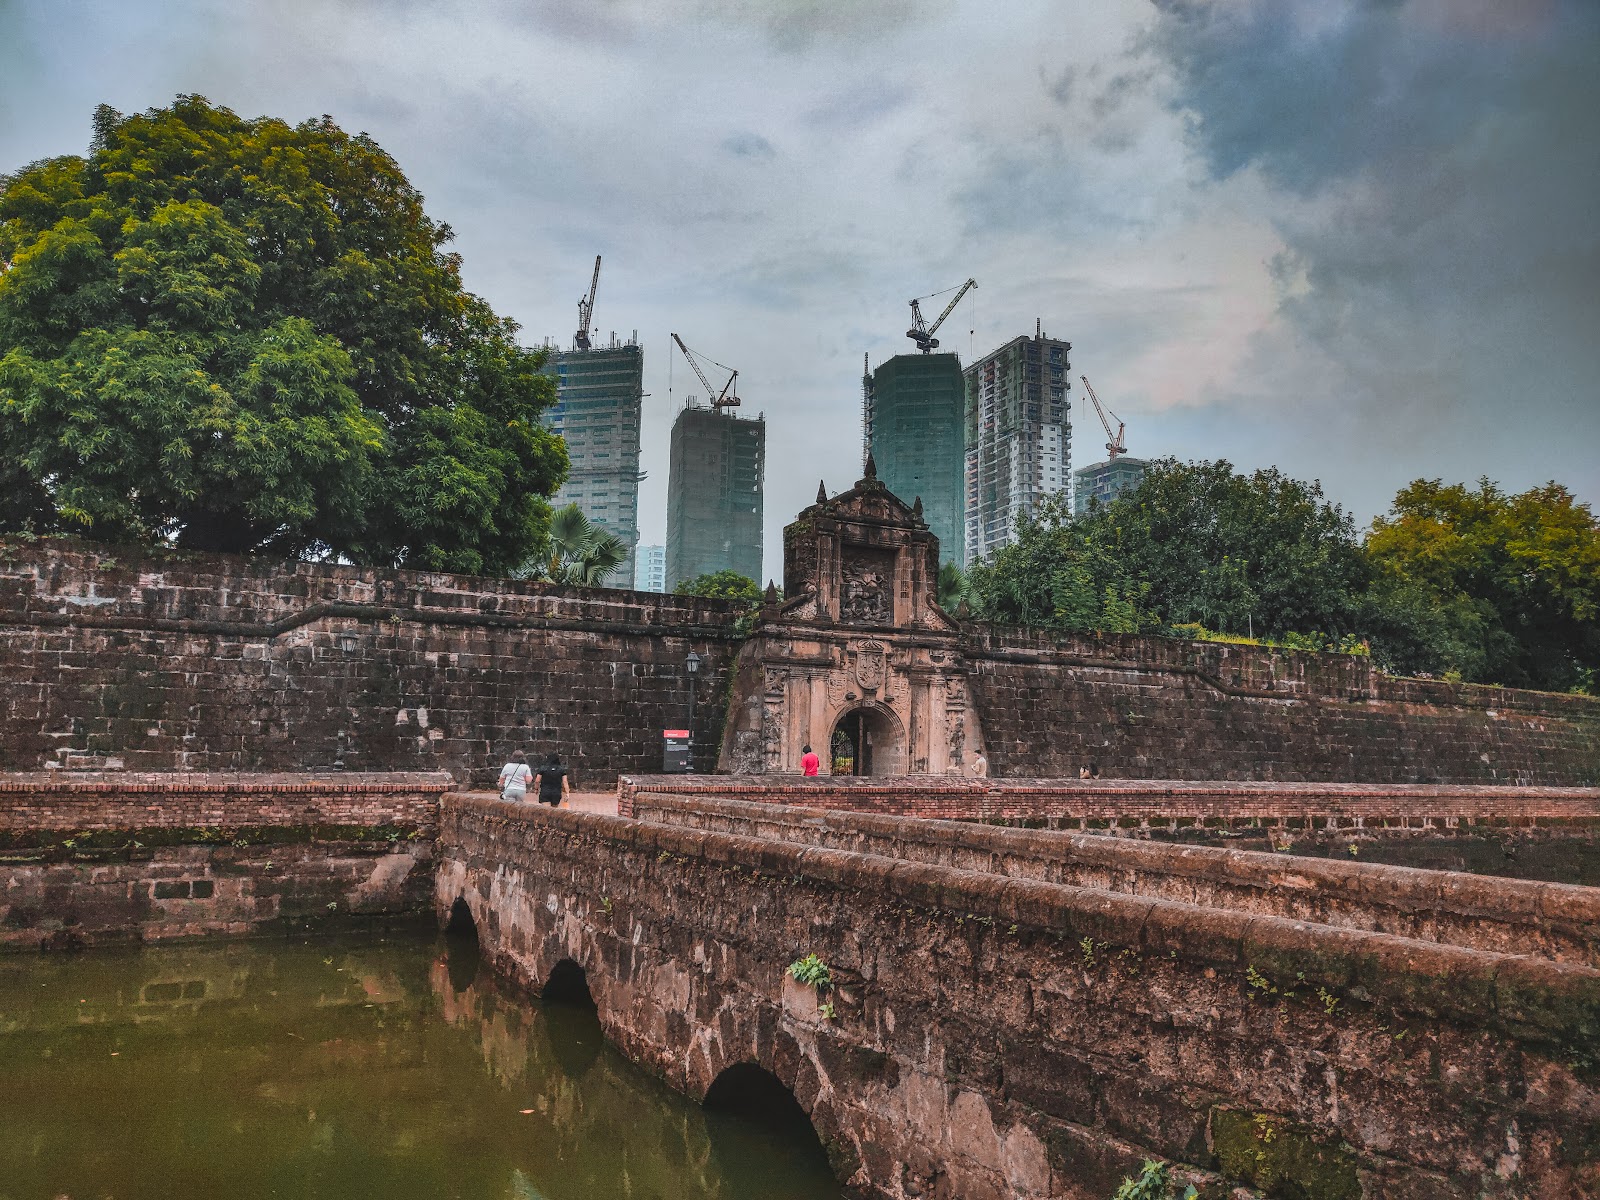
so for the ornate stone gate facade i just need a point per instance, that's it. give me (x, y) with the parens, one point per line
(857, 642)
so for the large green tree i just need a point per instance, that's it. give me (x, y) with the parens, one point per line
(244, 335)
(1196, 542)
(726, 584)
(1502, 588)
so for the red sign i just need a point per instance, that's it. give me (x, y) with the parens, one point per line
(674, 733)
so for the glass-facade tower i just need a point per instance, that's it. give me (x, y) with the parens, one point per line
(916, 435)
(599, 399)
(714, 495)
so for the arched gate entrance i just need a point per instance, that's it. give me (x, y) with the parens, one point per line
(868, 741)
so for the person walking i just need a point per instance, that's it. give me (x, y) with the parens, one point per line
(552, 781)
(515, 777)
(810, 764)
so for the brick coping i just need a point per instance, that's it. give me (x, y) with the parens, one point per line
(229, 782)
(1093, 788)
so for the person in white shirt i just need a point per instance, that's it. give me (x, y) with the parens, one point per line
(515, 777)
(980, 765)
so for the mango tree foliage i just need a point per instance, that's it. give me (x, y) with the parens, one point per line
(726, 584)
(1511, 583)
(1196, 542)
(244, 335)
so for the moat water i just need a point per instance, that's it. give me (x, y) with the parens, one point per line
(389, 1067)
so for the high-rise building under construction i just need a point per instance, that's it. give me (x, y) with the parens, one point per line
(599, 398)
(1018, 436)
(914, 412)
(714, 494)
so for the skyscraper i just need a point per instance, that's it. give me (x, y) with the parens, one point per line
(1018, 436)
(714, 494)
(601, 393)
(916, 414)
(1105, 481)
(650, 568)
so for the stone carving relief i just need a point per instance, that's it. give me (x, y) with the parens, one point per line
(866, 588)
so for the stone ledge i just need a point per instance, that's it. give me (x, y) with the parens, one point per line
(222, 782)
(1367, 883)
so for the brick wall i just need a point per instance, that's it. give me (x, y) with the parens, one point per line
(90, 858)
(212, 663)
(1157, 708)
(40, 801)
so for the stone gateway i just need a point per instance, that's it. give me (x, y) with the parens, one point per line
(858, 657)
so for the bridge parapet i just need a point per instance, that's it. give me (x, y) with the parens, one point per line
(1556, 921)
(1545, 833)
(997, 1036)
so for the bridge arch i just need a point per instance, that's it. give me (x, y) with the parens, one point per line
(872, 737)
(460, 922)
(568, 983)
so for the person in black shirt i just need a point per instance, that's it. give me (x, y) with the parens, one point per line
(552, 781)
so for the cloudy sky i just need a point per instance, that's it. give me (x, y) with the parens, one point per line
(1357, 241)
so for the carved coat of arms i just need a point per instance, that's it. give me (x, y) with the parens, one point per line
(872, 666)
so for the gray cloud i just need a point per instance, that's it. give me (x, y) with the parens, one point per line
(1356, 240)
(748, 145)
(1438, 184)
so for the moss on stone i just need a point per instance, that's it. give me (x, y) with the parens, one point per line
(1282, 1158)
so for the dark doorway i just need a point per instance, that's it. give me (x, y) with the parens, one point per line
(866, 741)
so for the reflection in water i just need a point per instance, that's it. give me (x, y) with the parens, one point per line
(392, 1068)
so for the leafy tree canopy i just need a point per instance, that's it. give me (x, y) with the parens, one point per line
(1196, 542)
(1470, 583)
(244, 335)
(722, 585)
(1509, 586)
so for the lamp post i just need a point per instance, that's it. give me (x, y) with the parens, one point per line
(691, 664)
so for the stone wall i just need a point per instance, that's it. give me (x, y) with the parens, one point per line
(989, 1036)
(1158, 708)
(1538, 833)
(87, 859)
(187, 663)
(214, 663)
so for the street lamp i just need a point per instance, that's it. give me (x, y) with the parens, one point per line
(692, 665)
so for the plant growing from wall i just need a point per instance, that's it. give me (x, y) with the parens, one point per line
(813, 971)
(1154, 1182)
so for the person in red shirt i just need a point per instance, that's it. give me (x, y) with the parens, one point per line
(809, 762)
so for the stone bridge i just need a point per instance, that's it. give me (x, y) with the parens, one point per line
(1027, 1013)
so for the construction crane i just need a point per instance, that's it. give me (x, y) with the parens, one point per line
(728, 397)
(922, 333)
(586, 309)
(1114, 443)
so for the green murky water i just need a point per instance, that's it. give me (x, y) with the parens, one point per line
(376, 1068)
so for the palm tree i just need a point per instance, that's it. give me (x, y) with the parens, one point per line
(954, 587)
(577, 551)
